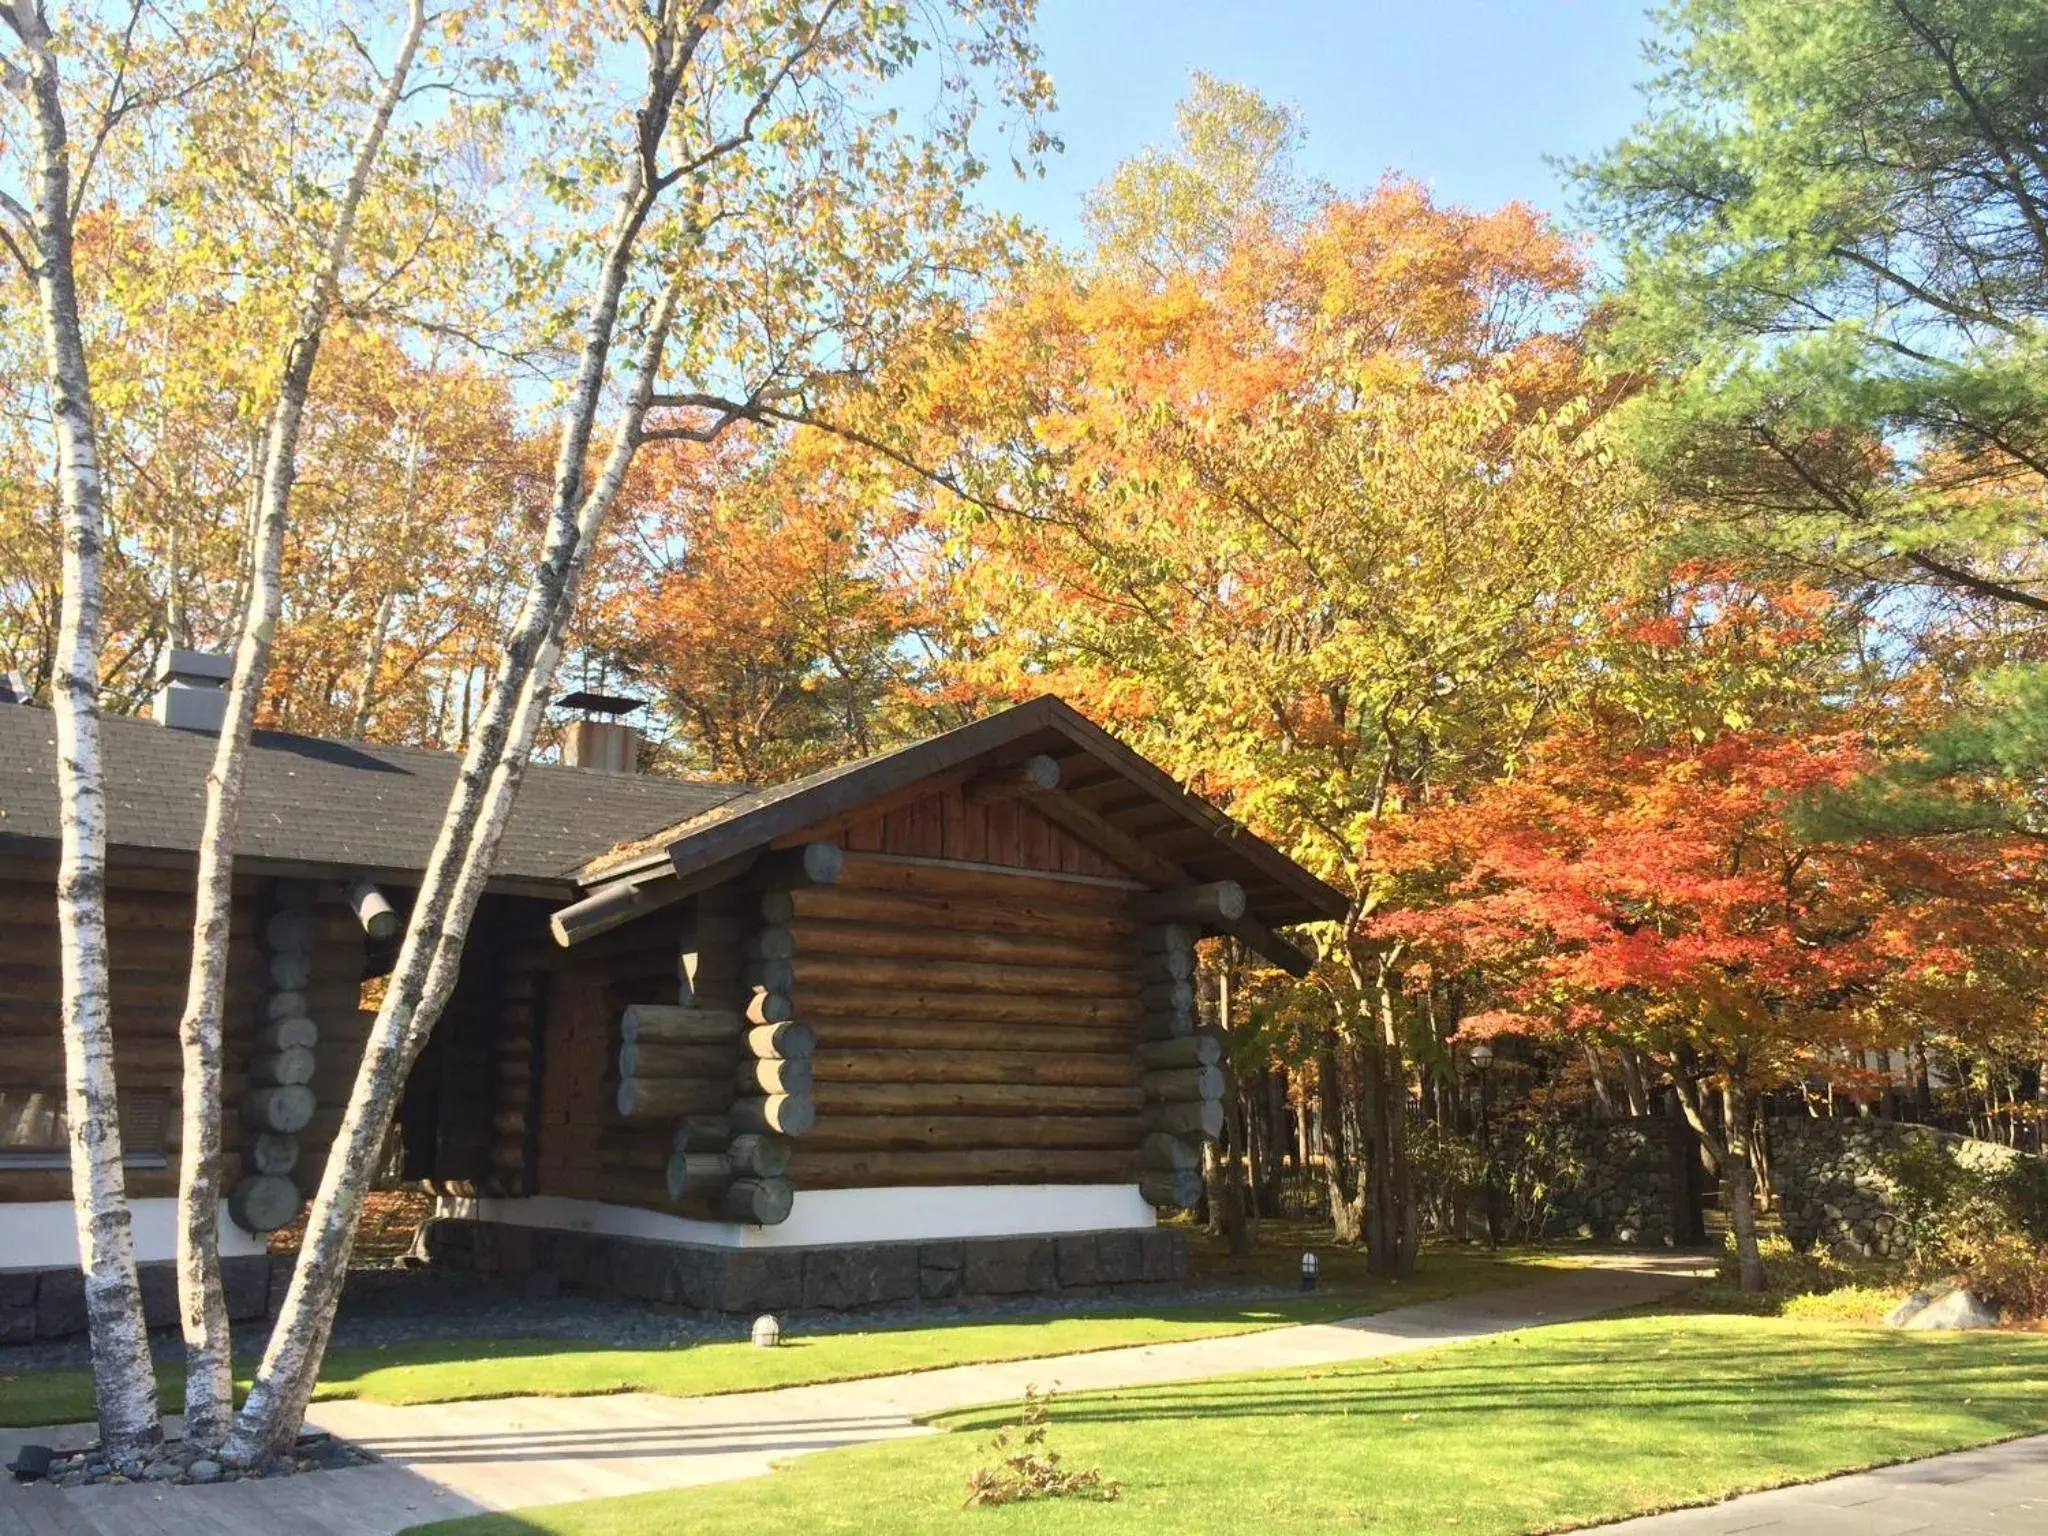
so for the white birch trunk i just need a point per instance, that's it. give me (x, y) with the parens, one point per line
(480, 804)
(209, 1383)
(124, 1382)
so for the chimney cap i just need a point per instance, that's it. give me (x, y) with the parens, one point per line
(599, 703)
(194, 667)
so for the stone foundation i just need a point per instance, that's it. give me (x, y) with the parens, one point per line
(839, 1278)
(50, 1303)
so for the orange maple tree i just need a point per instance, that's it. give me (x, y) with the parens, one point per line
(1671, 897)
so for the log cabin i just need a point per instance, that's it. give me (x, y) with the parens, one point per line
(922, 1025)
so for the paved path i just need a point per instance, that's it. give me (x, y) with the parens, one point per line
(459, 1458)
(2000, 1490)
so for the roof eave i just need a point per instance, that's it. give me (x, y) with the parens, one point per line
(723, 839)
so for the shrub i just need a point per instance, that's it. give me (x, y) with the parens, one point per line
(1542, 1156)
(2024, 1187)
(2010, 1270)
(1450, 1178)
(1810, 1284)
(1027, 1468)
(1985, 1226)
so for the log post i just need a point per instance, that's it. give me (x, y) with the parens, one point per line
(1170, 1154)
(670, 1098)
(293, 1064)
(679, 1026)
(792, 869)
(372, 910)
(1212, 905)
(1202, 1050)
(1183, 1074)
(760, 1157)
(770, 1075)
(264, 1202)
(294, 1033)
(788, 1040)
(1180, 1189)
(1180, 1084)
(285, 1109)
(760, 1202)
(273, 1152)
(1167, 965)
(785, 1114)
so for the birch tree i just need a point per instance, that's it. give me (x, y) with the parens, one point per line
(770, 231)
(38, 232)
(209, 1380)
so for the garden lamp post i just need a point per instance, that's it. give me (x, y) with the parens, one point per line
(1482, 1062)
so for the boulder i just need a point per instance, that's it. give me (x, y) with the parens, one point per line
(1954, 1309)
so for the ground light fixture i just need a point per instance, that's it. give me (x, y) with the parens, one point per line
(1310, 1265)
(767, 1331)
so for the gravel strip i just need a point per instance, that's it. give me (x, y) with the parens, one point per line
(402, 1306)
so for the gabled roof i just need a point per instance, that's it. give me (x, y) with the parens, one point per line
(1145, 805)
(314, 803)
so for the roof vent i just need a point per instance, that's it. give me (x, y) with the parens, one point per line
(601, 740)
(192, 690)
(12, 689)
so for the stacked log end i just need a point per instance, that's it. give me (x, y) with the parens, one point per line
(729, 1067)
(516, 1071)
(1183, 1070)
(279, 1102)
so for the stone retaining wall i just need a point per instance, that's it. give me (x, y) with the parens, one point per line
(1830, 1185)
(50, 1303)
(835, 1278)
(1621, 1181)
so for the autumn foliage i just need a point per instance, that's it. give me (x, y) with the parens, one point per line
(1670, 896)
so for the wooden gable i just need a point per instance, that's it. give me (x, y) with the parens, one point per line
(952, 823)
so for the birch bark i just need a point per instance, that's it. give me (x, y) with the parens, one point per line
(202, 1308)
(124, 1382)
(430, 954)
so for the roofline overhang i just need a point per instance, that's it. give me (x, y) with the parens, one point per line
(725, 837)
(562, 888)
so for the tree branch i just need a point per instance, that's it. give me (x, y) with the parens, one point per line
(1983, 586)
(2016, 178)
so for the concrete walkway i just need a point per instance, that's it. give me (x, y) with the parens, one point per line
(451, 1459)
(2000, 1490)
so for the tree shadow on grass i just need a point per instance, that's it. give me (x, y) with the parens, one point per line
(1763, 1382)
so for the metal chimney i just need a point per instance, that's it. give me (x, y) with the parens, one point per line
(601, 741)
(12, 689)
(192, 691)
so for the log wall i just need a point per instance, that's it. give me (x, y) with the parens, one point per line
(974, 1025)
(967, 993)
(149, 913)
(585, 1150)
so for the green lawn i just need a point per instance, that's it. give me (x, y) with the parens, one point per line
(453, 1370)
(1530, 1431)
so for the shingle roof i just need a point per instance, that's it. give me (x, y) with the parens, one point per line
(311, 801)
(1205, 841)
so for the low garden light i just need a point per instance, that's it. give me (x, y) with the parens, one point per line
(1310, 1265)
(767, 1331)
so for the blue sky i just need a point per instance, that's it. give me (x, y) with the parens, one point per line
(1468, 96)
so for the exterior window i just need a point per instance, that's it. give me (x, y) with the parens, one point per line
(32, 1129)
